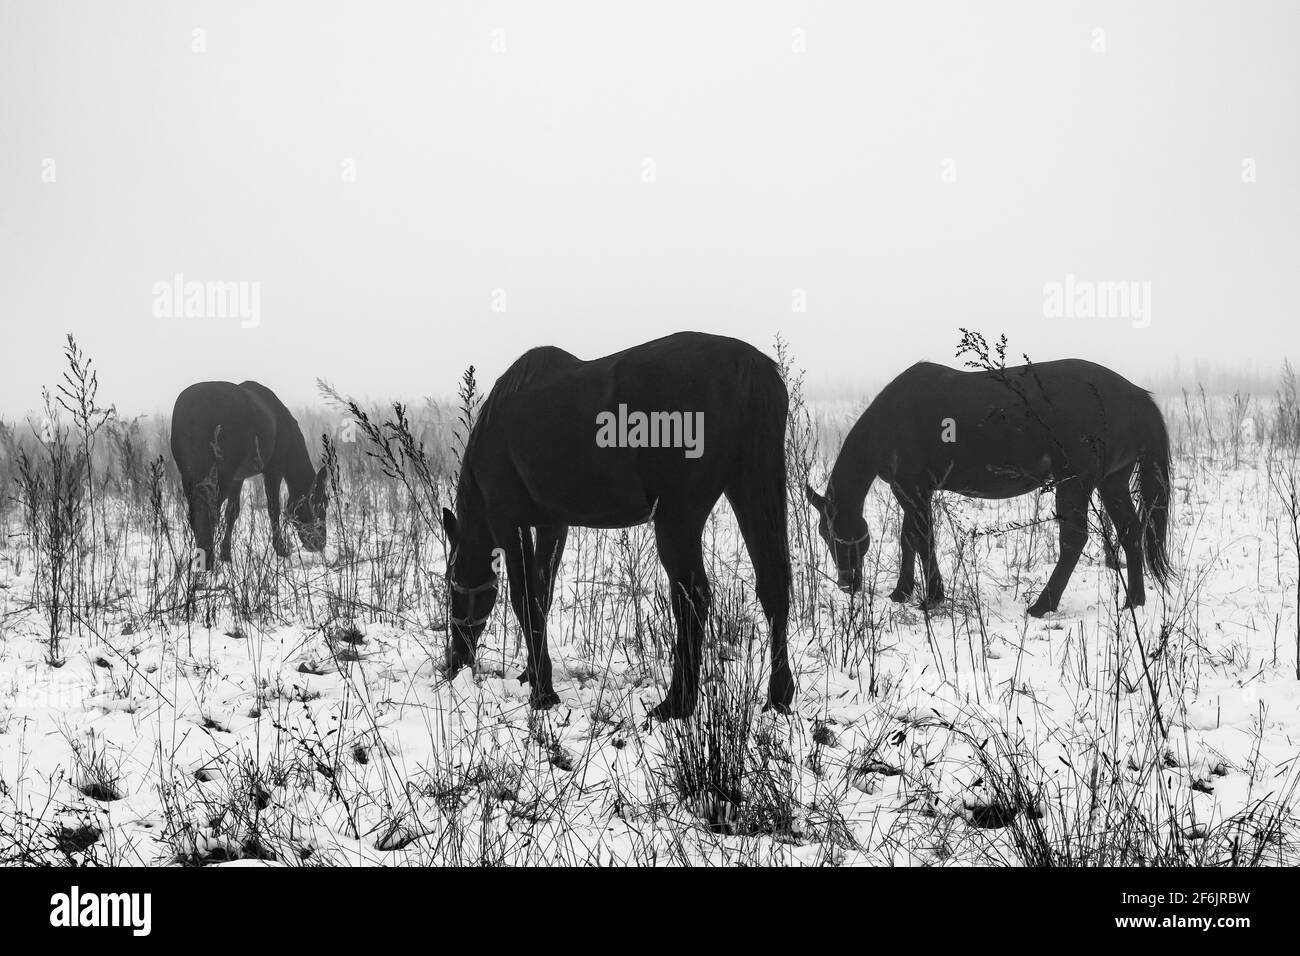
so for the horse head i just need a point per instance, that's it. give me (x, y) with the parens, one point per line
(309, 510)
(472, 585)
(846, 535)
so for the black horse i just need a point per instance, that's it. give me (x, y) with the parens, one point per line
(1070, 425)
(223, 433)
(655, 433)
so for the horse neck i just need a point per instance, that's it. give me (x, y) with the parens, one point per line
(299, 472)
(474, 552)
(855, 469)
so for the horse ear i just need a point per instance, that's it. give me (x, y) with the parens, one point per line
(449, 524)
(814, 499)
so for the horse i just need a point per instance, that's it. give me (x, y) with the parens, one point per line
(223, 434)
(555, 445)
(1068, 425)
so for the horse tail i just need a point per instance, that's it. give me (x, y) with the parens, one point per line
(757, 488)
(763, 467)
(1153, 494)
(758, 498)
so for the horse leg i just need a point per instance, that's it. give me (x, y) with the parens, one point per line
(907, 559)
(521, 569)
(1072, 512)
(271, 482)
(918, 526)
(199, 498)
(769, 553)
(232, 515)
(549, 550)
(1118, 502)
(681, 555)
(1108, 536)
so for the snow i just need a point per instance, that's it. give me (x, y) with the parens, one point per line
(909, 736)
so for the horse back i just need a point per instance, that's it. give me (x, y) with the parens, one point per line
(540, 439)
(223, 429)
(1026, 423)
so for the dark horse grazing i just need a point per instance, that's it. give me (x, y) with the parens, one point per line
(1070, 424)
(542, 456)
(224, 433)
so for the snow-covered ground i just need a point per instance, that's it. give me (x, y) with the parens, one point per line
(265, 728)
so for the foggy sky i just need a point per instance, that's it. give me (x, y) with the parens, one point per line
(610, 173)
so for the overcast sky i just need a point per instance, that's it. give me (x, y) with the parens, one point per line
(415, 187)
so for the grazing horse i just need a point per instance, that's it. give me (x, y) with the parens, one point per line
(1070, 425)
(656, 433)
(223, 433)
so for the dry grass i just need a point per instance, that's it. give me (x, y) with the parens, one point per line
(292, 709)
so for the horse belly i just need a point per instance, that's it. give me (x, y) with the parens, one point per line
(995, 481)
(247, 468)
(617, 519)
(604, 513)
(253, 461)
(590, 498)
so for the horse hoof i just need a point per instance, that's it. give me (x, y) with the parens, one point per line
(899, 596)
(1134, 603)
(930, 604)
(453, 662)
(1038, 610)
(669, 711)
(544, 700)
(780, 694)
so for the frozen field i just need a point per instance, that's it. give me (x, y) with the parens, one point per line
(295, 711)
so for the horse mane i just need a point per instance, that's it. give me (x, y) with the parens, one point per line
(521, 373)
